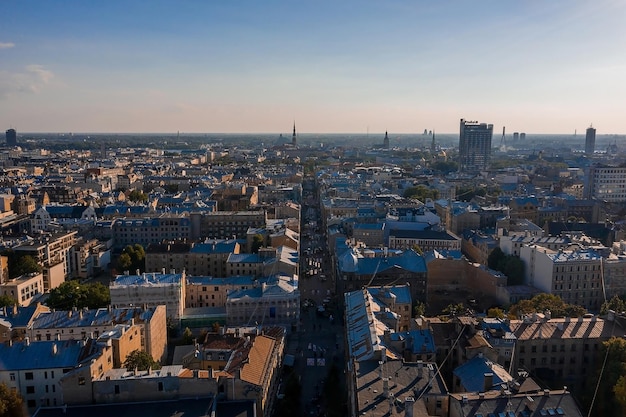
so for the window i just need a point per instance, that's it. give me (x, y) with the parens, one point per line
(30, 389)
(28, 375)
(160, 386)
(31, 403)
(12, 376)
(117, 389)
(81, 380)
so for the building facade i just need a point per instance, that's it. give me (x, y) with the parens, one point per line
(474, 146)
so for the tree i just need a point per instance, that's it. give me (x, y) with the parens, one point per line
(11, 404)
(73, 294)
(24, 264)
(98, 295)
(421, 192)
(509, 265)
(7, 301)
(546, 302)
(124, 262)
(132, 258)
(419, 309)
(257, 242)
(140, 360)
(495, 258)
(496, 313)
(611, 390)
(138, 196)
(454, 309)
(187, 336)
(616, 304)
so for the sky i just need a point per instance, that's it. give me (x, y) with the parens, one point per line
(331, 66)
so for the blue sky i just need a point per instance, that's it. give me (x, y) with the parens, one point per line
(332, 66)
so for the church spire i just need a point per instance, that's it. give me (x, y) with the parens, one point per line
(293, 136)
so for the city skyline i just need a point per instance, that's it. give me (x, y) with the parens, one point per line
(352, 67)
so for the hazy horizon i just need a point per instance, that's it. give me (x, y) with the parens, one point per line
(143, 66)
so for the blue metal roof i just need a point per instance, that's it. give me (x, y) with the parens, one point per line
(40, 355)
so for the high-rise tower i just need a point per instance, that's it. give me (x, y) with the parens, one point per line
(590, 140)
(433, 144)
(294, 140)
(474, 146)
(11, 136)
(386, 141)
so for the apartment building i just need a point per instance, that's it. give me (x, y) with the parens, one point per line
(275, 302)
(562, 351)
(575, 275)
(150, 289)
(24, 289)
(84, 324)
(35, 369)
(203, 259)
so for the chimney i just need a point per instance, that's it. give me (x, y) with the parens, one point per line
(386, 387)
(380, 369)
(409, 402)
(488, 381)
(420, 366)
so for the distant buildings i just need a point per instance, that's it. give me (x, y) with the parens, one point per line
(11, 136)
(590, 140)
(474, 146)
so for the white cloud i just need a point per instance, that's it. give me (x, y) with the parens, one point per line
(6, 45)
(31, 80)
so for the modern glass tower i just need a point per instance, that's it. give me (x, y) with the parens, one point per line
(11, 136)
(474, 146)
(590, 140)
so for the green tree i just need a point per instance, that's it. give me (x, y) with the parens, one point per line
(454, 309)
(132, 258)
(610, 391)
(421, 192)
(24, 264)
(616, 304)
(187, 336)
(73, 294)
(509, 265)
(11, 404)
(257, 242)
(444, 166)
(419, 309)
(140, 360)
(495, 258)
(496, 313)
(544, 302)
(98, 295)
(137, 196)
(7, 301)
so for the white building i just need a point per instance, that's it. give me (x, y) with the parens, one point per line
(575, 276)
(606, 183)
(150, 290)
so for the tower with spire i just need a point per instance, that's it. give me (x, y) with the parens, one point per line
(386, 141)
(294, 140)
